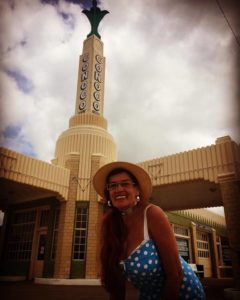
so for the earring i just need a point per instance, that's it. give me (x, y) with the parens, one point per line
(138, 198)
(109, 203)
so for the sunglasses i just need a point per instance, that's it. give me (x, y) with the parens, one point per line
(124, 184)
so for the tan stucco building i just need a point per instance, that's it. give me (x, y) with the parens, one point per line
(52, 212)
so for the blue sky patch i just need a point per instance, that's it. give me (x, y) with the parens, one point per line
(86, 4)
(68, 19)
(23, 83)
(11, 131)
(83, 3)
(11, 138)
(23, 42)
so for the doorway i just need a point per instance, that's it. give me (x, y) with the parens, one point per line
(40, 253)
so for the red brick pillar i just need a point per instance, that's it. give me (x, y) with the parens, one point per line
(66, 221)
(194, 243)
(215, 258)
(230, 190)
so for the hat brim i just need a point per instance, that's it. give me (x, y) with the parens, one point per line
(143, 178)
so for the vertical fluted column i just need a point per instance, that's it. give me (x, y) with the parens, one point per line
(230, 190)
(215, 257)
(66, 221)
(95, 214)
(194, 242)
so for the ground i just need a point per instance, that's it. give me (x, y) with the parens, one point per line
(214, 289)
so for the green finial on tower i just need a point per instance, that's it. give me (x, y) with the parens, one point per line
(94, 15)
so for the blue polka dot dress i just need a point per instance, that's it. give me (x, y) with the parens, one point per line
(144, 269)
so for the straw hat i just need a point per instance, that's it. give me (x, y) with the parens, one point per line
(145, 184)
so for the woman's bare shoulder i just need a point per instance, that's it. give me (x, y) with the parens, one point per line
(156, 216)
(155, 211)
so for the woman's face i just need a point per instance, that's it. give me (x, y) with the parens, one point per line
(122, 190)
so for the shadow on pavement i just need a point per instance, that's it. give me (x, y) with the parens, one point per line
(27, 290)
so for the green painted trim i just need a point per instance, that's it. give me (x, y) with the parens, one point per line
(94, 16)
(78, 267)
(48, 270)
(21, 268)
(178, 219)
(184, 218)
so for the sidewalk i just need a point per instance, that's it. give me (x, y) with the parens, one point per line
(28, 290)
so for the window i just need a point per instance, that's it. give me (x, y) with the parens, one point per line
(44, 217)
(226, 252)
(203, 244)
(180, 230)
(183, 248)
(19, 244)
(182, 235)
(80, 233)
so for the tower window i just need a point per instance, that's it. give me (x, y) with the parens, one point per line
(80, 233)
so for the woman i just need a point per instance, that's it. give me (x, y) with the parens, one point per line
(137, 241)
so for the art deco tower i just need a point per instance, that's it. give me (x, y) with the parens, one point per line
(83, 148)
(87, 134)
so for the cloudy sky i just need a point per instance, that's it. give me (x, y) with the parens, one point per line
(171, 73)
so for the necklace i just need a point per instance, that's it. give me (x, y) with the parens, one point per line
(128, 211)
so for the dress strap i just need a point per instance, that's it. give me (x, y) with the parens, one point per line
(145, 226)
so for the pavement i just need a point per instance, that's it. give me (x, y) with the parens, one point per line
(29, 290)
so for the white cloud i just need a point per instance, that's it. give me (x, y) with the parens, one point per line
(217, 210)
(170, 69)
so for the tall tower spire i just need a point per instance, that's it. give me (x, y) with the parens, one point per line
(87, 133)
(95, 16)
(90, 90)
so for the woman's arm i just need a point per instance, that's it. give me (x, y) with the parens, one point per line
(162, 234)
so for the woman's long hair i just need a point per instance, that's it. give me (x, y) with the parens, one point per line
(113, 241)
